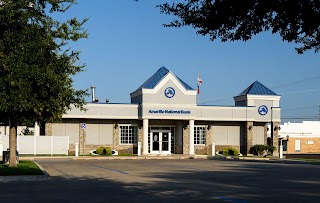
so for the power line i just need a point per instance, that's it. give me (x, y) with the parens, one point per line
(284, 93)
(305, 107)
(301, 117)
(302, 91)
(297, 82)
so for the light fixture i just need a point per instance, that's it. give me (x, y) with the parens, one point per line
(115, 126)
(250, 127)
(277, 128)
(185, 127)
(209, 127)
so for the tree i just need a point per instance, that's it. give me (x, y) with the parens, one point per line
(36, 67)
(295, 20)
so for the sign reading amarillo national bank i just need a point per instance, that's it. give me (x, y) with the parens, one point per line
(170, 111)
(165, 118)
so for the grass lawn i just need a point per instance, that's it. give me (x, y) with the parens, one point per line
(304, 159)
(24, 168)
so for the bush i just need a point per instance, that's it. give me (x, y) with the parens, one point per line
(104, 151)
(230, 152)
(271, 148)
(258, 149)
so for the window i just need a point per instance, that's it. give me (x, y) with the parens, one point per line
(199, 135)
(128, 134)
(285, 145)
(310, 142)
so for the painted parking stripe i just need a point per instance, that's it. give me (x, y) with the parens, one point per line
(182, 167)
(110, 169)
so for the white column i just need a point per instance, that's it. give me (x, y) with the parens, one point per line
(191, 137)
(139, 148)
(281, 149)
(145, 136)
(213, 152)
(36, 129)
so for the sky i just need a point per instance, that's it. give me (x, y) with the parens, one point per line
(128, 43)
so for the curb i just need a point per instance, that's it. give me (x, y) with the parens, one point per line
(42, 169)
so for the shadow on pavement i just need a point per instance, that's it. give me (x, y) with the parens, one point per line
(248, 182)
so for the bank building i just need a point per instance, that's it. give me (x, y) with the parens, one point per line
(164, 118)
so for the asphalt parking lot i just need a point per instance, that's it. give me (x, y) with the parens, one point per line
(168, 181)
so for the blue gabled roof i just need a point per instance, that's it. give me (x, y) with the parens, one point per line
(257, 88)
(157, 77)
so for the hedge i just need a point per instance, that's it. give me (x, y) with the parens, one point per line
(104, 151)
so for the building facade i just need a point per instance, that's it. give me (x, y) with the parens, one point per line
(300, 138)
(164, 117)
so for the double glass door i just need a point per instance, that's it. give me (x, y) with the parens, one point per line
(160, 142)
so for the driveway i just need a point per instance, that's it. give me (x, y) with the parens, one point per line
(168, 181)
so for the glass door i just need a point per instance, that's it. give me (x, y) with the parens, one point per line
(160, 142)
(155, 141)
(165, 142)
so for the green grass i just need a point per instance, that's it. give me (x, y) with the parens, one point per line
(24, 168)
(303, 159)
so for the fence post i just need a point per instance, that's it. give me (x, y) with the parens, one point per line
(1, 145)
(34, 145)
(51, 145)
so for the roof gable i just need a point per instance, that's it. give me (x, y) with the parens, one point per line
(155, 79)
(257, 88)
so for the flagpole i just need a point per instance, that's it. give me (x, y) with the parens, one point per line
(199, 83)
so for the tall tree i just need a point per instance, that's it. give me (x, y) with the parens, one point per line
(295, 20)
(36, 66)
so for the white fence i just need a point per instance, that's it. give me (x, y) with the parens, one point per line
(44, 145)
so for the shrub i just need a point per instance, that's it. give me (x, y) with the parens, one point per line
(230, 152)
(100, 151)
(104, 151)
(271, 148)
(258, 149)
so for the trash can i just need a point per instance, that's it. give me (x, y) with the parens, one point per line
(6, 156)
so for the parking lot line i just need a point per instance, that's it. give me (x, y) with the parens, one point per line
(110, 169)
(180, 167)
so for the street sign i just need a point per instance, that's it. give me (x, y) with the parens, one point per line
(83, 126)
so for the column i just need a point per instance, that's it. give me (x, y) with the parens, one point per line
(191, 137)
(275, 138)
(145, 137)
(249, 136)
(36, 129)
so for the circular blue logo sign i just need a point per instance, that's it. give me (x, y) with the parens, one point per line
(169, 92)
(263, 110)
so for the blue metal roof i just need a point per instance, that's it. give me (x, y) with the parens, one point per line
(258, 89)
(157, 77)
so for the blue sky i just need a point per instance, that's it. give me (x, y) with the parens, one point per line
(128, 43)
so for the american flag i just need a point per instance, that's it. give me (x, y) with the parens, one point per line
(199, 83)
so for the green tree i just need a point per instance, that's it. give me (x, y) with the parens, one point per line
(230, 20)
(36, 66)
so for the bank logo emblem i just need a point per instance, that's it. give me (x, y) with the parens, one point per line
(263, 110)
(169, 92)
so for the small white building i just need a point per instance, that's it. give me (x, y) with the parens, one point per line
(300, 137)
